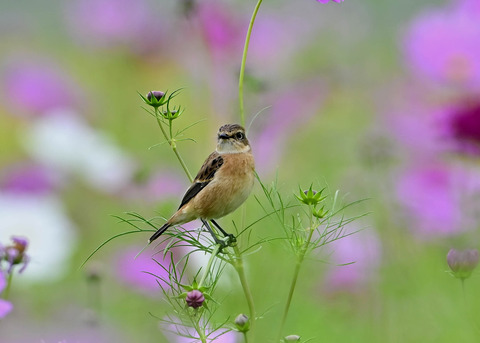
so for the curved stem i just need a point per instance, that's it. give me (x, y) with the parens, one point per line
(173, 145)
(209, 265)
(244, 60)
(289, 298)
(300, 258)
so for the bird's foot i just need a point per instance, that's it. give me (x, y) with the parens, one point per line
(227, 241)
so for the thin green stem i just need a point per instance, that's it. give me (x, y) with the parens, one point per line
(6, 292)
(245, 336)
(289, 298)
(244, 60)
(200, 332)
(209, 265)
(172, 143)
(296, 272)
(238, 265)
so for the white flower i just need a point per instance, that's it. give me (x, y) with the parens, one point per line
(42, 221)
(64, 141)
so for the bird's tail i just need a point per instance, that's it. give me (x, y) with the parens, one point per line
(159, 232)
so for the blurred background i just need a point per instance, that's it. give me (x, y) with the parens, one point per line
(376, 98)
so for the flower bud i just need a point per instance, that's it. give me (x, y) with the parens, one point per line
(310, 196)
(292, 338)
(462, 263)
(155, 98)
(195, 298)
(15, 254)
(242, 323)
(157, 94)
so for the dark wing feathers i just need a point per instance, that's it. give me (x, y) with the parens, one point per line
(204, 176)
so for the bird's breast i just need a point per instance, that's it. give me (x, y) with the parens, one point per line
(230, 187)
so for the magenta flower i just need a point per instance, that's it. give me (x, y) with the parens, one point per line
(36, 88)
(444, 46)
(5, 306)
(195, 298)
(461, 127)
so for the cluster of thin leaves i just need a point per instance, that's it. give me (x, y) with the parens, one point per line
(329, 228)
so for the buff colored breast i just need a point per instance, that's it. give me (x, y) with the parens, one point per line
(230, 187)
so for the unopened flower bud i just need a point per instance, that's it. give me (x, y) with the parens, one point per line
(242, 323)
(462, 263)
(195, 298)
(157, 94)
(292, 338)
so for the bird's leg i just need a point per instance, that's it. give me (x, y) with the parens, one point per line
(225, 234)
(215, 238)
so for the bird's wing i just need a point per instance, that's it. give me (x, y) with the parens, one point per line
(204, 176)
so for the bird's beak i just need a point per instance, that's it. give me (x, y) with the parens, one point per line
(223, 136)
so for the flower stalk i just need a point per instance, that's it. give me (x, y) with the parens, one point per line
(244, 60)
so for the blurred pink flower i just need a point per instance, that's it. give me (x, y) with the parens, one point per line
(363, 251)
(142, 272)
(435, 198)
(166, 185)
(221, 29)
(291, 109)
(106, 23)
(28, 177)
(325, 1)
(419, 129)
(182, 334)
(36, 88)
(444, 45)
(136, 272)
(5, 306)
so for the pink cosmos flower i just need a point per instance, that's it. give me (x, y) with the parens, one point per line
(140, 272)
(436, 198)
(291, 109)
(28, 178)
(444, 45)
(361, 252)
(107, 23)
(36, 87)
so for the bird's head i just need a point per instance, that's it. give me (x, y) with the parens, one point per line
(232, 139)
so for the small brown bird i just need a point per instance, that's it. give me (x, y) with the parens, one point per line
(223, 183)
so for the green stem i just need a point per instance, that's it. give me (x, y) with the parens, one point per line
(244, 60)
(200, 332)
(6, 292)
(173, 145)
(209, 265)
(289, 298)
(245, 337)
(238, 265)
(296, 272)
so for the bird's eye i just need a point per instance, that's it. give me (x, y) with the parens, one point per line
(239, 136)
